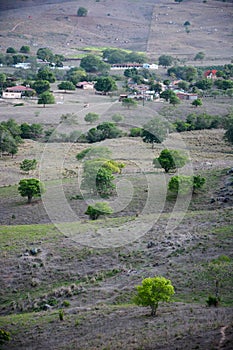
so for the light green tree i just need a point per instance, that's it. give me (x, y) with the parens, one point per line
(97, 209)
(28, 164)
(170, 160)
(46, 98)
(152, 291)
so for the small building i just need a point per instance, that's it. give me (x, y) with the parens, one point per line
(186, 96)
(150, 66)
(17, 91)
(85, 85)
(210, 74)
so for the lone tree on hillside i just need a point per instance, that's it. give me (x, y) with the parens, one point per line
(99, 208)
(197, 102)
(152, 291)
(82, 12)
(30, 188)
(46, 98)
(154, 131)
(170, 160)
(165, 60)
(129, 102)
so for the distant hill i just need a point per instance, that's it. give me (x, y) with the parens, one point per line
(153, 26)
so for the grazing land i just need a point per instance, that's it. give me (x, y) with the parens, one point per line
(67, 282)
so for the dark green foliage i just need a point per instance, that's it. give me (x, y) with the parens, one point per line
(198, 182)
(167, 94)
(93, 64)
(184, 85)
(10, 137)
(75, 75)
(31, 131)
(228, 136)
(187, 73)
(198, 122)
(213, 301)
(204, 84)
(28, 164)
(105, 84)
(103, 131)
(154, 131)
(165, 60)
(61, 315)
(30, 188)
(46, 98)
(99, 208)
(174, 100)
(66, 85)
(25, 49)
(82, 12)
(120, 56)
(224, 84)
(41, 86)
(11, 50)
(170, 160)
(199, 56)
(45, 73)
(45, 54)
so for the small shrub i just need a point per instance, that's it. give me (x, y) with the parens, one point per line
(212, 301)
(66, 303)
(135, 132)
(61, 315)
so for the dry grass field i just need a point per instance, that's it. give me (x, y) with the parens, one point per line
(53, 258)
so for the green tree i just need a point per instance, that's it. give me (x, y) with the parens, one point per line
(30, 188)
(45, 73)
(165, 60)
(97, 177)
(197, 102)
(93, 64)
(174, 100)
(66, 85)
(204, 84)
(46, 98)
(117, 118)
(170, 160)
(109, 130)
(181, 184)
(184, 85)
(129, 102)
(75, 75)
(199, 56)
(82, 12)
(33, 131)
(45, 54)
(25, 49)
(28, 164)
(99, 208)
(91, 117)
(198, 182)
(167, 94)
(2, 80)
(152, 291)
(154, 131)
(135, 132)
(11, 50)
(8, 144)
(105, 84)
(94, 152)
(41, 86)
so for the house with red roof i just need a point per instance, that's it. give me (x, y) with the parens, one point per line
(210, 74)
(17, 91)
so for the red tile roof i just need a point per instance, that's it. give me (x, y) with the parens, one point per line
(18, 88)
